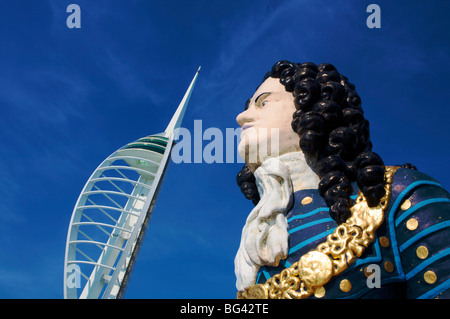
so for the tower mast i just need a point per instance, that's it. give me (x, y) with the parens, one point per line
(177, 118)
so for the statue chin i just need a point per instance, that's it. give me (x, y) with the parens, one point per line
(250, 155)
(255, 148)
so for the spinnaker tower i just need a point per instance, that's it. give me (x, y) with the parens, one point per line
(113, 211)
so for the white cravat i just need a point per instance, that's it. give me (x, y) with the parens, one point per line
(265, 237)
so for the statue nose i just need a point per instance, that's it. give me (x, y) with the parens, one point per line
(245, 117)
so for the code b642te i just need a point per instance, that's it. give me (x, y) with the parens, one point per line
(250, 308)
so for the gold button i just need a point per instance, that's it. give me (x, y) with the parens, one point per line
(307, 200)
(319, 293)
(412, 224)
(422, 252)
(345, 285)
(430, 277)
(406, 205)
(389, 266)
(384, 241)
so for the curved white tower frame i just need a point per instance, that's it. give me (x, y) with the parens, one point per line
(113, 211)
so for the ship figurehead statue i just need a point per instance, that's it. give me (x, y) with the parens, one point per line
(331, 220)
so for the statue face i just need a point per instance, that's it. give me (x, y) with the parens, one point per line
(266, 124)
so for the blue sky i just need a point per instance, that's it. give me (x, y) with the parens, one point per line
(70, 97)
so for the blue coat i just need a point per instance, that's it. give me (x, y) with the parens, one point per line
(411, 248)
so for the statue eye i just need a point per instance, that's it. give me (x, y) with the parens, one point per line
(263, 103)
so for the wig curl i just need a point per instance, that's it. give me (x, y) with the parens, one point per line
(333, 134)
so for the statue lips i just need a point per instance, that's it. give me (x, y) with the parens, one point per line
(245, 127)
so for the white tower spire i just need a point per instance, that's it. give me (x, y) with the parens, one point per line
(177, 118)
(112, 212)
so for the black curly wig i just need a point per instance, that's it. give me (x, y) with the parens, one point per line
(333, 134)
